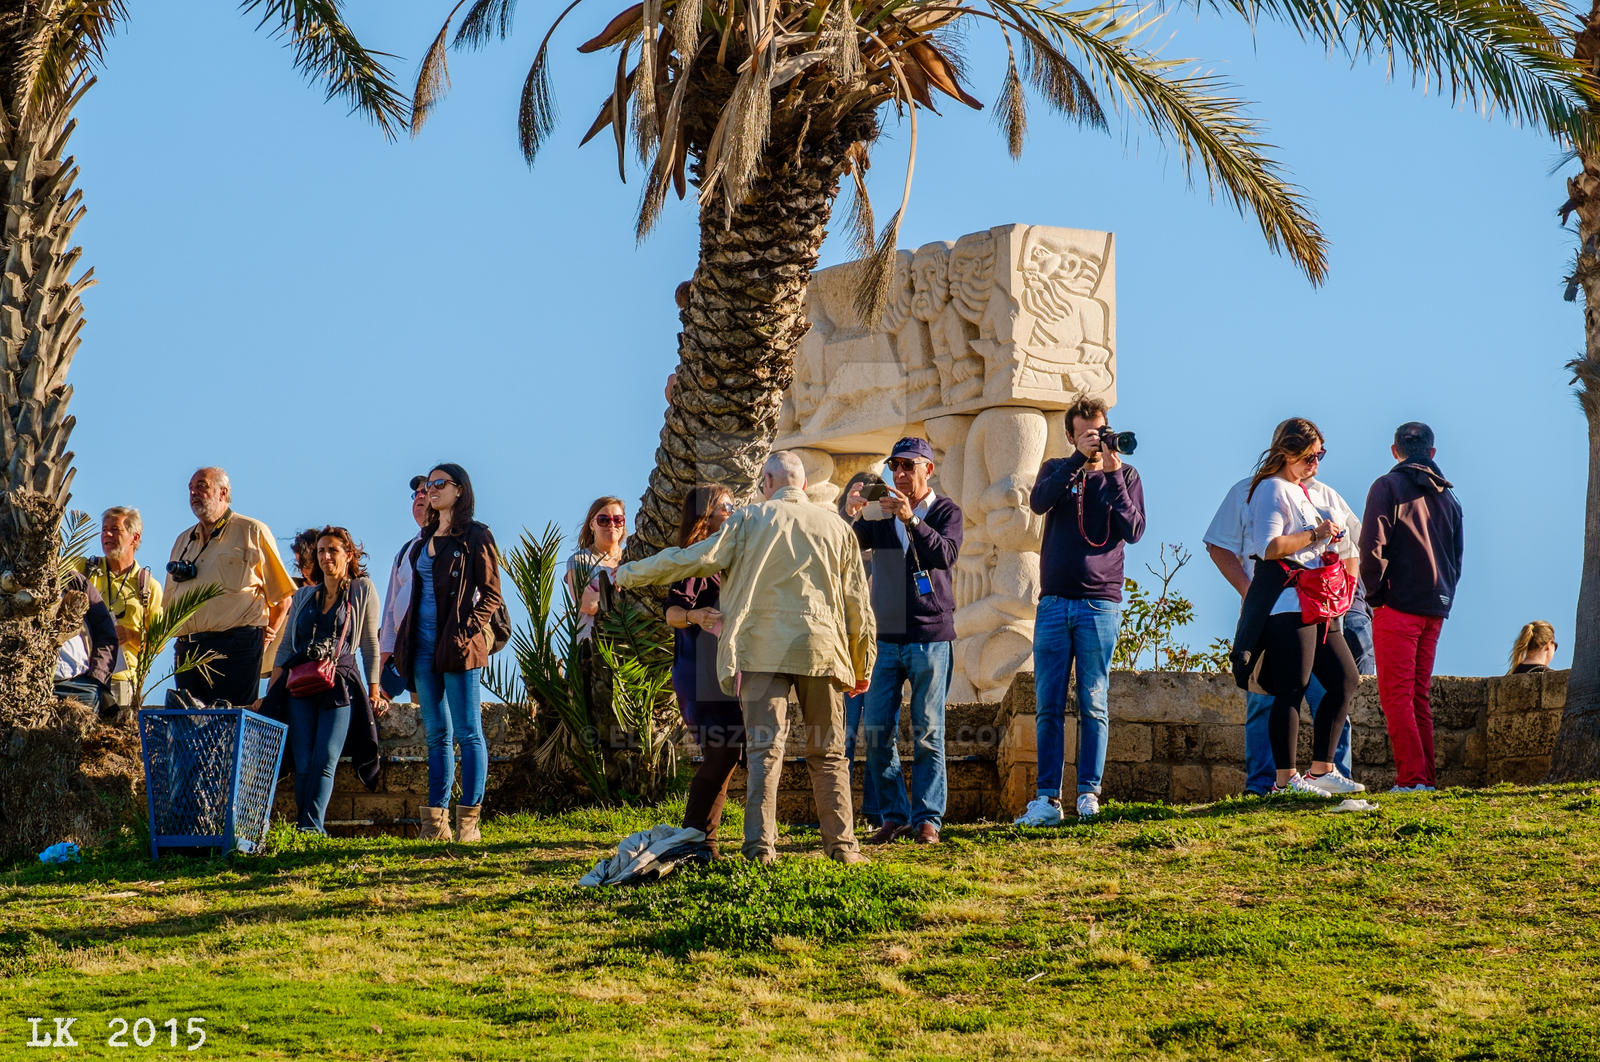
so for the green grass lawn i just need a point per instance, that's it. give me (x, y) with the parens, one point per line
(1458, 925)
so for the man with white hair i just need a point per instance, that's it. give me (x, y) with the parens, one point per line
(128, 588)
(796, 614)
(238, 554)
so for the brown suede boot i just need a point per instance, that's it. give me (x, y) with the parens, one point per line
(467, 823)
(435, 824)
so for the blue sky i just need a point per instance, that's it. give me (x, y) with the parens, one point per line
(284, 293)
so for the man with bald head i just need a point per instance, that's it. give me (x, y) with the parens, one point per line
(797, 615)
(236, 553)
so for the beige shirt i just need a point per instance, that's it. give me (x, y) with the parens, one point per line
(794, 597)
(243, 560)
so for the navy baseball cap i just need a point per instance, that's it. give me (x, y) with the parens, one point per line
(417, 481)
(911, 446)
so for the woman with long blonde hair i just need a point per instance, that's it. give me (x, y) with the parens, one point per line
(1288, 531)
(1534, 648)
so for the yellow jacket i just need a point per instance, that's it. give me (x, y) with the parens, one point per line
(794, 599)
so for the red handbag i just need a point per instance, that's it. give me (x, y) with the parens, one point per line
(1326, 592)
(316, 676)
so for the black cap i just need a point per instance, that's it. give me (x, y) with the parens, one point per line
(417, 481)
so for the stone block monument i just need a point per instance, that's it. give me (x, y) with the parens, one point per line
(981, 339)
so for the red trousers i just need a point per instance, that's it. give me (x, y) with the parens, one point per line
(1405, 644)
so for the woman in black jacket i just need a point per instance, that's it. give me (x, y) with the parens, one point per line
(443, 644)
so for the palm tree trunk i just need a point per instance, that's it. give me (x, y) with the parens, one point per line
(1577, 749)
(744, 321)
(40, 318)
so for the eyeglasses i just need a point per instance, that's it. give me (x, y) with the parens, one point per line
(438, 484)
(420, 492)
(1318, 457)
(902, 464)
(607, 520)
(726, 507)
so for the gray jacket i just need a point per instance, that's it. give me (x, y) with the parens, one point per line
(363, 634)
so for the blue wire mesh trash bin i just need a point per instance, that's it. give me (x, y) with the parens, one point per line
(210, 775)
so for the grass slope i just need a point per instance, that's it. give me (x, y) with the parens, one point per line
(1458, 925)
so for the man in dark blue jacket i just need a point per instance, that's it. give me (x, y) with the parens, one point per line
(914, 547)
(1092, 503)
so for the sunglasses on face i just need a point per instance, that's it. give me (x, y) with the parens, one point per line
(725, 507)
(438, 484)
(611, 521)
(1316, 458)
(902, 464)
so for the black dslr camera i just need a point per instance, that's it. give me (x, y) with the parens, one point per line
(1116, 442)
(181, 570)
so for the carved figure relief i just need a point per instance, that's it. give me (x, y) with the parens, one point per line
(980, 338)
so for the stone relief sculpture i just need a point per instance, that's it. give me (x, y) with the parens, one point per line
(980, 340)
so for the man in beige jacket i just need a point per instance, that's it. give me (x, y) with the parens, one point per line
(796, 613)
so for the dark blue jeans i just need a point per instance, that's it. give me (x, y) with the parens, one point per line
(451, 714)
(926, 665)
(854, 708)
(316, 737)
(1068, 633)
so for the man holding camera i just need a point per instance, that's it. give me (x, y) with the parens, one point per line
(237, 554)
(915, 608)
(128, 589)
(1092, 503)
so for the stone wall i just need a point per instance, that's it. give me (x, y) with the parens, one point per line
(1175, 737)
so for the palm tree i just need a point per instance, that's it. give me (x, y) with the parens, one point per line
(49, 50)
(766, 105)
(1577, 749)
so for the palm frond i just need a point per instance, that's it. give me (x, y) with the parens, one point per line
(859, 222)
(160, 627)
(325, 47)
(1011, 110)
(433, 76)
(1497, 54)
(77, 532)
(1060, 83)
(59, 44)
(486, 20)
(1210, 129)
(536, 114)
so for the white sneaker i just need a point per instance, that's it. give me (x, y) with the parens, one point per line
(1299, 783)
(1042, 811)
(1088, 805)
(1335, 784)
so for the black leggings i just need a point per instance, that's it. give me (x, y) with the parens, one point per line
(1294, 651)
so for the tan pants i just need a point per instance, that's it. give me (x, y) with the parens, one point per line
(765, 699)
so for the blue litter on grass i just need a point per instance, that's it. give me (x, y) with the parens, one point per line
(61, 852)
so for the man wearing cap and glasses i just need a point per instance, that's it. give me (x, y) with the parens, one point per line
(398, 596)
(1411, 547)
(915, 609)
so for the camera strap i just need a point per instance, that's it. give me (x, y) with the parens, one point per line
(216, 533)
(1081, 492)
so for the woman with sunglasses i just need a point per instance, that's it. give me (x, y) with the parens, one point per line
(599, 547)
(1287, 527)
(712, 716)
(443, 644)
(331, 618)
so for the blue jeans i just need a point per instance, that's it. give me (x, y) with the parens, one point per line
(854, 708)
(316, 737)
(462, 723)
(926, 665)
(1068, 630)
(1261, 772)
(1358, 632)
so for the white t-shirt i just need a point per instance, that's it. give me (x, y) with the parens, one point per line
(1283, 508)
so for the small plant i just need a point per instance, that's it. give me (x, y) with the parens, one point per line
(1149, 624)
(596, 708)
(160, 627)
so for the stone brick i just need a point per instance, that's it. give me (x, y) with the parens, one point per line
(967, 774)
(1364, 707)
(383, 807)
(1136, 781)
(1175, 742)
(1128, 743)
(965, 805)
(400, 722)
(1459, 703)
(405, 778)
(1018, 790)
(1520, 770)
(1369, 747)
(1019, 697)
(1222, 744)
(1017, 741)
(1553, 689)
(1173, 697)
(1226, 781)
(796, 807)
(1474, 751)
(1524, 734)
(1190, 784)
(1511, 694)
